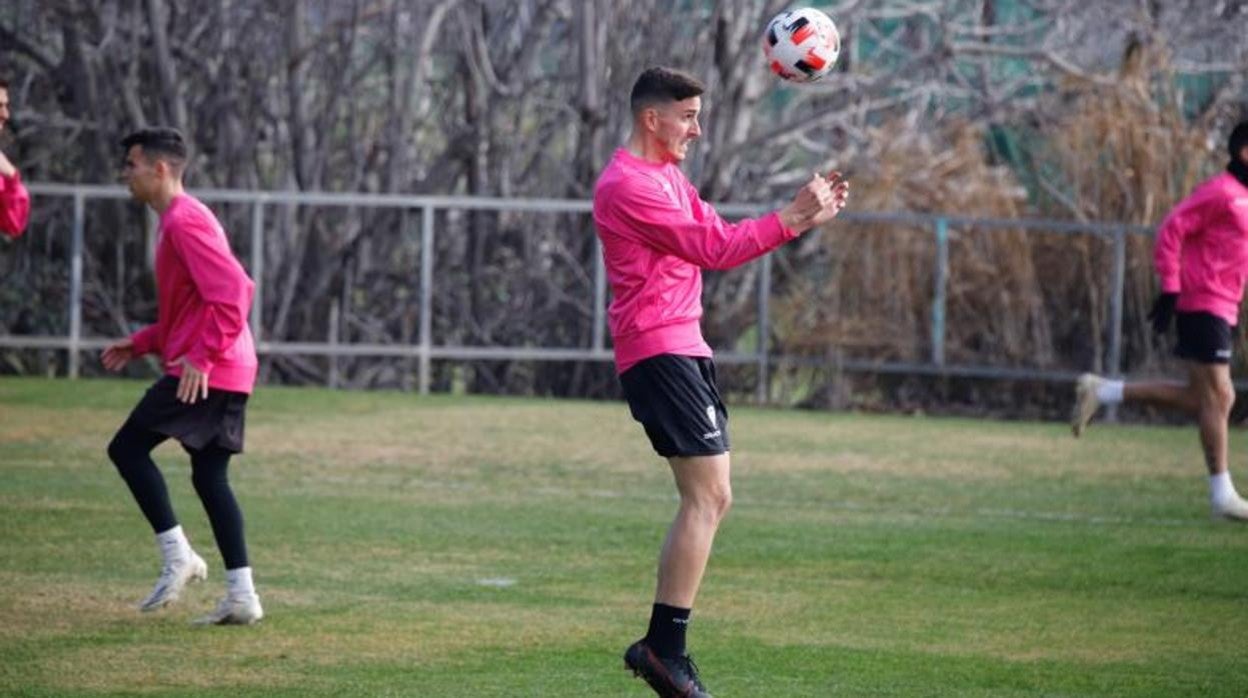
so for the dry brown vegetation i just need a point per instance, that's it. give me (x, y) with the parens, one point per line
(1123, 153)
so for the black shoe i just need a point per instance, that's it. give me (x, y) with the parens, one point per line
(670, 677)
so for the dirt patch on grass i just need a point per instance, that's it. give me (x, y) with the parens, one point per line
(35, 608)
(37, 423)
(449, 438)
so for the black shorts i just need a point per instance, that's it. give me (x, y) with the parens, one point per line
(215, 420)
(675, 399)
(1204, 338)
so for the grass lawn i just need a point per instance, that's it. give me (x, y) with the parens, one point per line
(450, 546)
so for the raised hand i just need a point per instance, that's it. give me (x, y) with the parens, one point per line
(817, 202)
(838, 189)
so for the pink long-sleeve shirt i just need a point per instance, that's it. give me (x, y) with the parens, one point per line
(1201, 251)
(203, 298)
(657, 235)
(14, 205)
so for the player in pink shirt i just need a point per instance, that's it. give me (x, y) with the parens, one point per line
(209, 360)
(657, 235)
(14, 199)
(1201, 256)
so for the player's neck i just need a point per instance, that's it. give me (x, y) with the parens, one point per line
(1239, 169)
(644, 148)
(172, 190)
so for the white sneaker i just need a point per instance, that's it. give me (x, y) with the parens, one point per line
(1231, 508)
(234, 610)
(1086, 402)
(175, 575)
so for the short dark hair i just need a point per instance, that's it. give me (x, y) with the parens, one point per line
(1238, 140)
(160, 142)
(4, 83)
(661, 85)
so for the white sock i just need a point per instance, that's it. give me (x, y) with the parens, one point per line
(1109, 392)
(238, 582)
(173, 544)
(1220, 487)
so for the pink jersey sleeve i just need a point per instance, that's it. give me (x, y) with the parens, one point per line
(1182, 220)
(701, 237)
(223, 286)
(146, 340)
(14, 206)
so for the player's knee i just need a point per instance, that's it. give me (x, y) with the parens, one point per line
(118, 453)
(724, 502)
(1221, 397)
(209, 481)
(715, 503)
(724, 505)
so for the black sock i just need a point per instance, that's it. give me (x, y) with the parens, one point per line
(666, 635)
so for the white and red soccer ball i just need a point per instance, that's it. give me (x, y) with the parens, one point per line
(801, 45)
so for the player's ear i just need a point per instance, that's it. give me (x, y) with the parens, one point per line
(650, 118)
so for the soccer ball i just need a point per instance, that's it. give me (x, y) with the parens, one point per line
(801, 45)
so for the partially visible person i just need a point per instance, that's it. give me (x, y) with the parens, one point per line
(14, 199)
(1201, 257)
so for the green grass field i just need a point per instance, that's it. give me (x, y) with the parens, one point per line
(450, 546)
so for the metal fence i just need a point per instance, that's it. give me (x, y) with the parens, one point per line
(427, 349)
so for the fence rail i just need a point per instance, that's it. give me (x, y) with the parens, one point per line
(425, 350)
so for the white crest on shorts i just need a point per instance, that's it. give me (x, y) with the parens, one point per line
(710, 415)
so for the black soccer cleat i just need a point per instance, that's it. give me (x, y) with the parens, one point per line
(670, 677)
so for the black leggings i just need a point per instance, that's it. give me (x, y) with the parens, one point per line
(130, 450)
